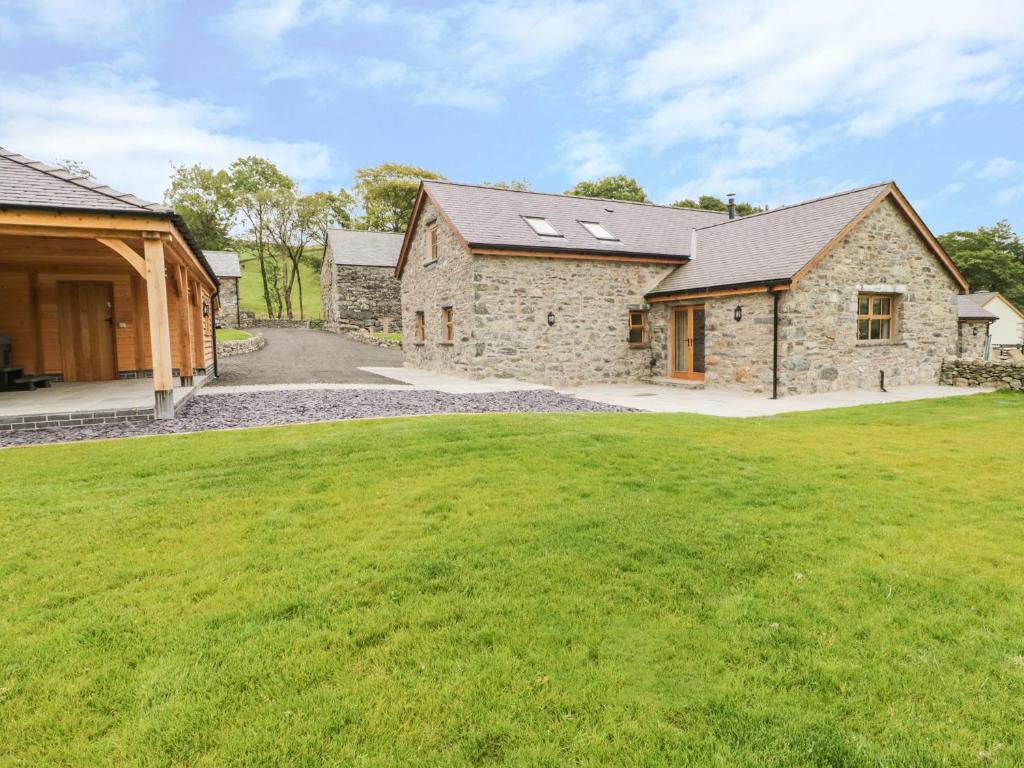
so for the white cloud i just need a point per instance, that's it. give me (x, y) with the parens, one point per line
(588, 155)
(999, 168)
(1010, 194)
(128, 133)
(98, 22)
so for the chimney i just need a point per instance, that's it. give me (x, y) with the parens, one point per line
(732, 205)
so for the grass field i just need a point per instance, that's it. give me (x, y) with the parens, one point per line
(250, 287)
(839, 588)
(232, 334)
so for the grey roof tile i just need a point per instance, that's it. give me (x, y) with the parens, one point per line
(224, 263)
(356, 247)
(968, 307)
(768, 246)
(492, 217)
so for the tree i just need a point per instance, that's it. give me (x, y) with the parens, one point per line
(75, 167)
(387, 194)
(257, 186)
(991, 258)
(517, 185)
(205, 200)
(611, 187)
(711, 203)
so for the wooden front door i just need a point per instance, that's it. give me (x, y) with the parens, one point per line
(86, 312)
(688, 342)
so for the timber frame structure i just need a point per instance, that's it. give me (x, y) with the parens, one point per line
(98, 285)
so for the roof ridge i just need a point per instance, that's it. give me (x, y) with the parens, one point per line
(82, 181)
(365, 231)
(573, 197)
(797, 205)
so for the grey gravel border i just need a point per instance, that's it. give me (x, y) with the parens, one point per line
(262, 409)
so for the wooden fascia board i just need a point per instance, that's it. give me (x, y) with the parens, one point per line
(922, 229)
(886, 191)
(481, 251)
(129, 254)
(717, 294)
(409, 231)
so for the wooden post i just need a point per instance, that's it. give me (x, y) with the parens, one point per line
(159, 327)
(185, 312)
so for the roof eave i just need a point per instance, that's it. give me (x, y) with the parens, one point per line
(776, 282)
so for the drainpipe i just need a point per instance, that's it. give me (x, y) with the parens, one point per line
(213, 335)
(775, 346)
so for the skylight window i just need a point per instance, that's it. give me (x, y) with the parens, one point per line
(597, 230)
(542, 226)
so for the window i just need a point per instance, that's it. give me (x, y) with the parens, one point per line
(874, 316)
(542, 226)
(447, 325)
(432, 243)
(597, 230)
(421, 328)
(638, 327)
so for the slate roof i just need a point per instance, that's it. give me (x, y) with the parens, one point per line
(224, 263)
(31, 185)
(766, 247)
(358, 248)
(968, 307)
(488, 217)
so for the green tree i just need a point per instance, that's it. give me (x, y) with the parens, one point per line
(204, 199)
(328, 210)
(711, 203)
(74, 167)
(612, 188)
(258, 187)
(517, 185)
(387, 194)
(991, 258)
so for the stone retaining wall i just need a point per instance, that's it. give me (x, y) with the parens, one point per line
(363, 337)
(980, 373)
(74, 419)
(249, 321)
(243, 347)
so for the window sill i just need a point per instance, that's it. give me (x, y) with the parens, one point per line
(880, 343)
(418, 344)
(446, 343)
(640, 346)
(430, 263)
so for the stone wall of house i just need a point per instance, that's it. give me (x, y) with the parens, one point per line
(980, 373)
(227, 315)
(738, 354)
(427, 287)
(972, 340)
(363, 297)
(819, 348)
(590, 301)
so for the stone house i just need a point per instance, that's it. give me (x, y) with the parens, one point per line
(358, 286)
(228, 269)
(823, 295)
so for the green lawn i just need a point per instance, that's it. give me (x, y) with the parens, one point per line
(250, 287)
(389, 336)
(839, 588)
(232, 334)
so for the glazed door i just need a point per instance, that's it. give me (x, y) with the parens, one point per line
(86, 311)
(688, 342)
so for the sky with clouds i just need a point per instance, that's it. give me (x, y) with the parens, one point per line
(776, 102)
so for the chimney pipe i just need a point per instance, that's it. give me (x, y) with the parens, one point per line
(732, 205)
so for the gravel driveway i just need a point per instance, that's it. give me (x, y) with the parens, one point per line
(257, 409)
(301, 356)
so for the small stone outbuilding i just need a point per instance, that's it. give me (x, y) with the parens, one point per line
(824, 295)
(358, 286)
(974, 329)
(228, 269)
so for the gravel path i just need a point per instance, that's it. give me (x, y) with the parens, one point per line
(301, 356)
(259, 409)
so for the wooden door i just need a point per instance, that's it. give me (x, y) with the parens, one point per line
(688, 342)
(86, 312)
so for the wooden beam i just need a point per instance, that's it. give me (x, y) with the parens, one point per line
(127, 252)
(185, 318)
(715, 294)
(575, 256)
(159, 328)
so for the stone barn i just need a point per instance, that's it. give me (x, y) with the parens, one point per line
(358, 286)
(226, 266)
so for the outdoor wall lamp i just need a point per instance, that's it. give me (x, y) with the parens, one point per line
(738, 313)
(551, 318)
(206, 309)
(975, 329)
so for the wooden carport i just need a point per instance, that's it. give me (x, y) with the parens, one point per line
(99, 285)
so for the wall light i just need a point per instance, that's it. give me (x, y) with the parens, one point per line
(738, 313)
(206, 309)
(551, 318)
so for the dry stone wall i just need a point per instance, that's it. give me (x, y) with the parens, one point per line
(362, 297)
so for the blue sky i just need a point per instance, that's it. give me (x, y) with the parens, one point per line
(777, 102)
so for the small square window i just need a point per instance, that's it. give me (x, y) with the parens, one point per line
(432, 242)
(447, 325)
(637, 335)
(597, 230)
(542, 226)
(874, 317)
(421, 328)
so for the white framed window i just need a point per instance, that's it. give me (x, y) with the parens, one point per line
(597, 230)
(542, 226)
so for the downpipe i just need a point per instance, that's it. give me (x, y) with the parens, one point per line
(881, 381)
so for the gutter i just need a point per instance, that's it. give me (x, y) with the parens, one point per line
(782, 284)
